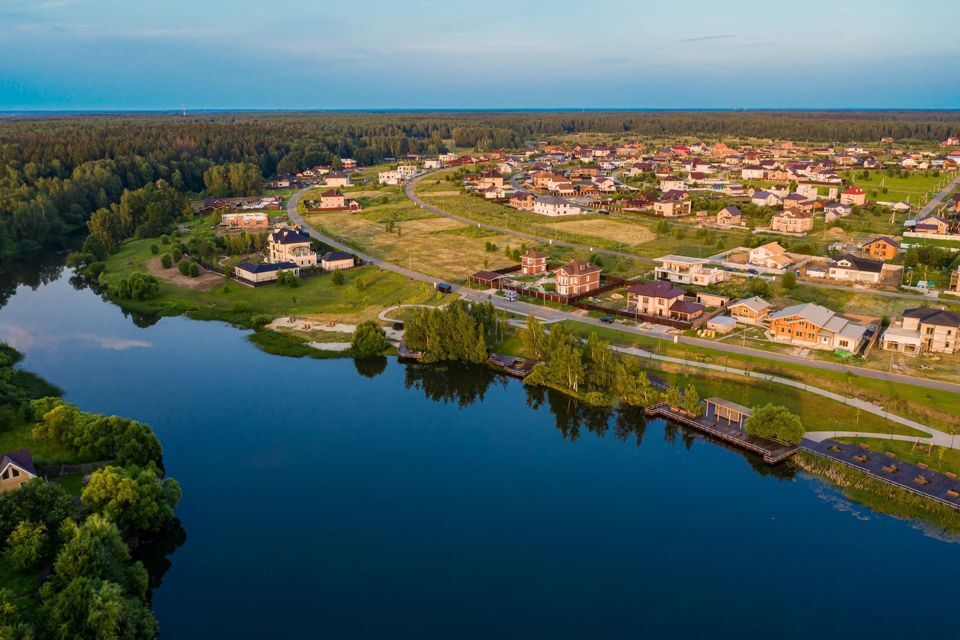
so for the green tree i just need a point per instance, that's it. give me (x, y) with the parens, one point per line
(776, 422)
(135, 499)
(166, 261)
(691, 401)
(673, 397)
(788, 280)
(24, 544)
(369, 339)
(534, 337)
(337, 277)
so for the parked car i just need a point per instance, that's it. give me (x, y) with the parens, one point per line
(443, 287)
(607, 319)
(753, 272)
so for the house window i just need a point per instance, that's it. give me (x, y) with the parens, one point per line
(14, 472)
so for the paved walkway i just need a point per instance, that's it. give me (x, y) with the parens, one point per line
(937, 199)
(933, 435)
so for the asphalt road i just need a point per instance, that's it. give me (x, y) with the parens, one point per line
(937, 199)
(551, 315)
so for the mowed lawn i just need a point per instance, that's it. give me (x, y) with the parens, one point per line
(316, 297)
(912, 188)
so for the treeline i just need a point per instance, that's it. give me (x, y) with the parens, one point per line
(92, 588)
(58, 170)
(459, 332)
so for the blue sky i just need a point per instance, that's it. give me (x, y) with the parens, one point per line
(161, 54)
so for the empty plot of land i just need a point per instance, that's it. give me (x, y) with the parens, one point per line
(444, 194)
(608, 230)
(204, 282)
(432, 246)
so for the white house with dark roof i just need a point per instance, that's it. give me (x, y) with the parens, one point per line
(687, 270)
(291, 245)
(555, 207)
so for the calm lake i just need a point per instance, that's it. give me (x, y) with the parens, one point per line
(324, 498)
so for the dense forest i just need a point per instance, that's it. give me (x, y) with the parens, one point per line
(58, 171)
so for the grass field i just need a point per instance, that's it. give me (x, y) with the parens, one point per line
(913, 188)
(317, 297)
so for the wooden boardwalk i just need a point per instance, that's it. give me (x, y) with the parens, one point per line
(887, 468)
(771, 451)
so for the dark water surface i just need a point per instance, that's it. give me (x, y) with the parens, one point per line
(328, 499)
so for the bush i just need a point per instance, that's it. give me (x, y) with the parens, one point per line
(369, 339)
(788, 280)
(184, 266)
(154, 249)
(338, 277)
(166, 261)
(176, 254)
(194, 270)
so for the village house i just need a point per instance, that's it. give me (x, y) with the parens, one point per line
(553, 207)
(337, 179)
(392, 177)
(924, 330)
(245, 221)
(853, 195)
(348, 164)
(798, 201)
(792, 221)
(257, 273)
(685, 270)
(851, 268)
(523, 201)
(836, 210)
(750, 310)
(291, 245)
(752, 173)
(882, 248)
(16, 468)
(662, 299)
(672, 183)
(334, 260)
(576, 278)
(765, 199)
(334, 200)
(533, 263)
(811, 325)
(672, 208)
(931, 224)
(729, 217)
(770, 256)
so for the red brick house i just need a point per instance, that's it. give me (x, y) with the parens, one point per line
(576, 278)
(533, 263)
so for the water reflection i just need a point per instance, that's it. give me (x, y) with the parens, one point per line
(370, 367)
(155, 552)
(456, 383)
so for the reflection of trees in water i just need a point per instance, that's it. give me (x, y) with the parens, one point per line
(41, 270)
(370, 367)
(454, 382)
(155, 552)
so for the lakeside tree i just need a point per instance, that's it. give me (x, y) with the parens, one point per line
(369, 339)
(135, 499)
(453, 333)
(776, 422)
(691, 401)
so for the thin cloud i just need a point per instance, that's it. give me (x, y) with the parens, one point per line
(704, 38)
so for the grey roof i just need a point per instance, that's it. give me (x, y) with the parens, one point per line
(336, 255)
(937, 317)
(20, 458)
(756, 303)
(747, 411)
(859, 264)
(265, 268)
(812, 313)
(658, 289)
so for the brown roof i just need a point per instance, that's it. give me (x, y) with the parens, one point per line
(532, 254)
(578, 268)
(658, 289)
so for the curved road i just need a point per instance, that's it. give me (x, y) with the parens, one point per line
(553, 315)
